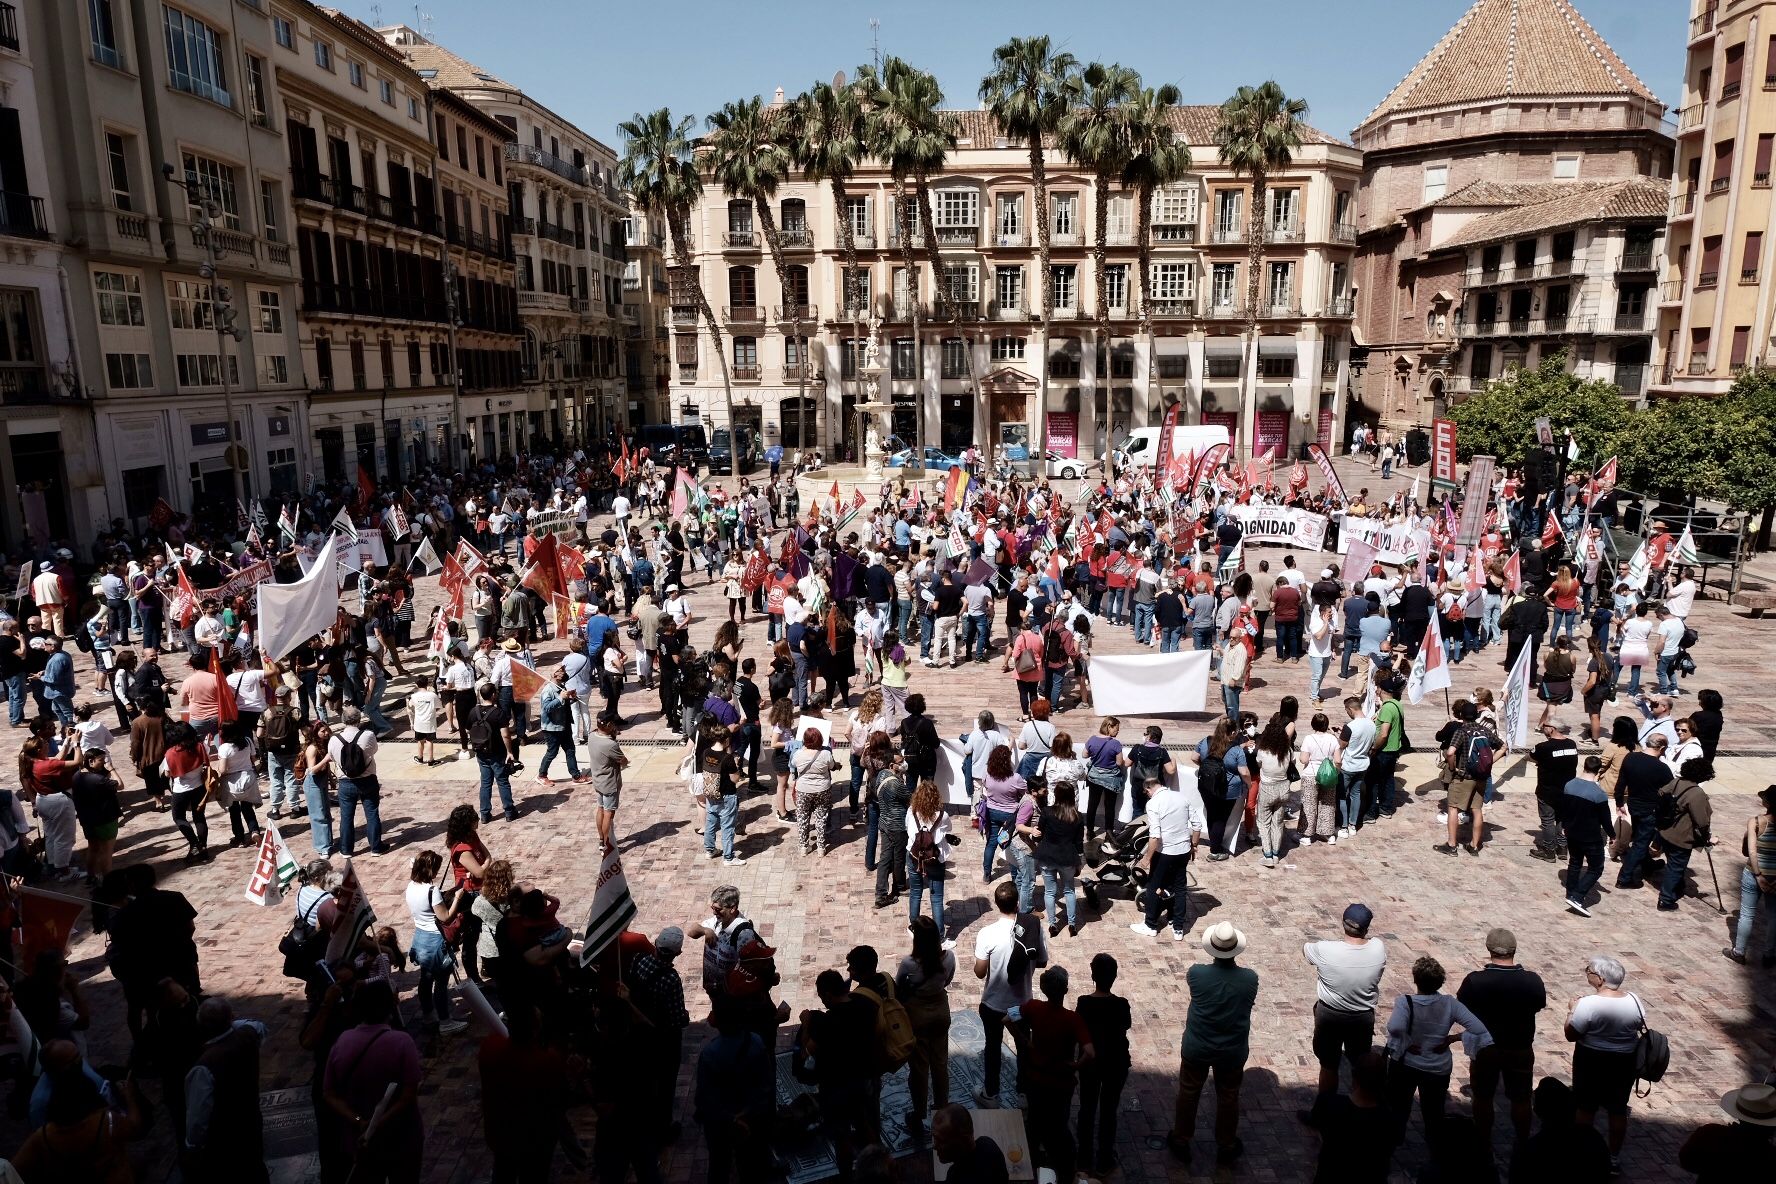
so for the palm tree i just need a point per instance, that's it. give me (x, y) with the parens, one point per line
(826, 130)
(1157, 157)
(1259, 130)
(912, 135)
(749, 160)
(1095, 136)
(1028, 93)
(659, 170)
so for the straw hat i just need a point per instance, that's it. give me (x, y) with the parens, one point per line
(1755, 1104)
(1224, 941)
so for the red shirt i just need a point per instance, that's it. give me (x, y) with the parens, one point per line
(1286, 603)
(1055, 1036)
(464, 879)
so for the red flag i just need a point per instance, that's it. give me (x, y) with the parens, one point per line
(366, 488)
(566, 615)
(453, 575)
(189, 594)
(1602, 483)
(45, 923)
(526, 682)
(1162, 462)
(1513, 572)
(227, 708)
(572, 561)
(160, 514)
(623, 465)
(858, 501)
(468, 557)
(543, 575)
(835, 492)
(792, 552)
(1551, 532)
(1298, 476)
(758, 565)
(1054, 565)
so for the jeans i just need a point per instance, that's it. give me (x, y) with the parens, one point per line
(980, 629)
(1288, 639)
(373, 701)
(1550, 837)
(1583, 869)
(1100, 1093)
(1203, 636)
(1667, 674)
(1171, 875)
(1143, 623)
(1058, 885)
(1316, 674)
(903, 615)
(433, 958)
(1352, 643)
(1677, 861)
(1639, 843)
(188, 816)
(320, 816)
(1023, 872)
(891, 870)
(15, 699)
(558, 742)
(927, 632)
(1350, 797)
(1567, 619)
(1230, 698)
(916, 884)
(281, 767)
(350, 794)
(721, 811)
(871, 834)
(1116, 608)
(1381, 783)
(491, 772)
(1055, 678)
(1749, 894)
(1171, 639)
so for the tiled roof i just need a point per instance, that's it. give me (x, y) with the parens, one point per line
(1515, 193)
(1197, 122)
(451, 71)
(1502, 49)
(1558, 206)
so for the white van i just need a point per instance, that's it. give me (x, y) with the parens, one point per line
(1140, 447)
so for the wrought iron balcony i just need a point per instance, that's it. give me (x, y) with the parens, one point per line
(535, 157)
(9, 38)
(1008, 311)
(1227, 232)
(1702, 25)
(21, 216)
(744, 314)
(1344, 232)
(1683, 203)
(794, 312)
(746, 373)
(958, 236)
(795, 237)
(1174, 310)
(1340, 306)
(1284, 232)
(741, 240)
(1011, 238)
(1636, 261)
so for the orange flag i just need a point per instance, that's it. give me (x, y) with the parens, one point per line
(227, 708)
(527, 684)
(46, 922)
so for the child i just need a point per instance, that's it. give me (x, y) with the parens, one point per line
(422, 708)
(55, 813)
(94, 735)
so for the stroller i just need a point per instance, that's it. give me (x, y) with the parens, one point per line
(1117, 870)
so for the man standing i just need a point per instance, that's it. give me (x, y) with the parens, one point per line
(1686, 804)
(1466, 787)
(657, 990)
(1059, 1043)
(1638, 782)
(1505, 997)
(1348, 989)
(1356, 607)
(56, 683)
(1556, 763)
(46, 594)
(1006, 954)
(353, 749)
(1668, 635)
(605, 761)
(491, 736)
(1585, 813)
(1175, 817)
(978, 637)
(224, 1131)
(1217, 1035)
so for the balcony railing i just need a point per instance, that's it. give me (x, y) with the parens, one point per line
(1707, 279)
(565, 235)
(917, 239)
(1683, 203)
(1748, 275)
(21, 216)
(794, 312)
(1284, 309)
(132, 226)
(1227, 233)
(1631, 379)
(965, 310)
(523, 226)
(744, 314)
(26, 385)
(1729, 91)
(958, 236)
(1174, 232)
(1175, 310)
(1119, 238)
(9, 37)
(1526, 327)
(1340, 306)
(536, 157)
(1760, 179)
(1636, 261)
(1671, 292)
(227, 241)
(746, 373)
(1631, 322)
(1702, 25)
(1720, 184)
(1697, 367)
(1225, 311)
(795, 237)
(1692, 117)
(1014, 310)
(1284, 232)
(1011, 238)
(1344, 232)
(809, 371)
(742, 239)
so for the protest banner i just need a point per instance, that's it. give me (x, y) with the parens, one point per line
(1150, 684)
(1285, 526)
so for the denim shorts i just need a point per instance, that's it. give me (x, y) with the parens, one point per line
(429, 950)
(608, 801)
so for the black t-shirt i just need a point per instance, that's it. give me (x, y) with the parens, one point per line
(1556, 762)
(1108, 1020)
(1015, 604)
(844, 1041)
(11, 656)
(984, 1164)
(1641, 778)
(1505, 999)
(1415, 603)
(749, 699)
(497, 719)
(949, 600)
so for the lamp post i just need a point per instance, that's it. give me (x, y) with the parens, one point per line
(222, 317)
(457, 459)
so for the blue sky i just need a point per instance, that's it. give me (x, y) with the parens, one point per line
(597, 63)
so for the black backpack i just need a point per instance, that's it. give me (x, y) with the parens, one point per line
(1054, 649)
(912, 744)
(353, 763)
(1211, 779)
(281, 734)
(481, 729)
(1027, 948)
(1144, 768)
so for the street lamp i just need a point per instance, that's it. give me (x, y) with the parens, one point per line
(222, 315)
(450, 310)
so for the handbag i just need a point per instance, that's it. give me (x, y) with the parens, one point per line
(304, 944)
(452, 929)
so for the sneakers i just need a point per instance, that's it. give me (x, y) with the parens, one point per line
(983, 1102)
(1573, 906)
(1177, 935)
(1332, 840)
(1544, 855)
(1729, 953)
(1344, 832)
(1140, 927)
(733, 861)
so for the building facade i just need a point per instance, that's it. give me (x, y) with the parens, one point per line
(567, 219)
(647, 337)
(1715, 316)
(1520, 105)
(154, 108)
(977, 378)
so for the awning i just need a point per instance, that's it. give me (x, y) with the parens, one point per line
(1275, 346)
(1225, 347)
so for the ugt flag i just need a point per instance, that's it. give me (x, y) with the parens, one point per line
(1430, 670)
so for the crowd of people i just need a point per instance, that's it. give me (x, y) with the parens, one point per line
(856, 597)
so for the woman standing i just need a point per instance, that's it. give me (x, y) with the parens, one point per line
(889, 798)
(1274, 752)
(240, 782)
(733, 587)
(1557, 677)
(1107, 1017)
(897, 667)
(97, 808)
(1563, 598)
(1060, 853)
(431, 953)
(1035, 742)
(1757, 881)
(1418, 1042)
(1221, 780)
(1604, 1028)
(921, 983)
(489, 908)
(782, 722)
(1004, 791)
(1062, 765)
(148, 748)
(1635, 651)
(810, 772)
(1104, 772)
(1596, 691)
(1319, 769)
(469, 858)
(185, 767)
(928, 854)
(317, 779)
(1322, 626)
(866, 724)
(719, 772)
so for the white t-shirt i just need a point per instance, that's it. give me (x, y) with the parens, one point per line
(1349, 975)
(1606, 1024)
(1681, 599)
(460, 676)
(423, 703)
(422, 902)
(249, 688)
(994, 944)
(620, 506)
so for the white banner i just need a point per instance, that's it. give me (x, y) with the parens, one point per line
(1514, 701)
(950, 782)
(1282, 525)
(1393, 544)
(1430, 670)
(290, 614)
(1150, 684)
(273, 870)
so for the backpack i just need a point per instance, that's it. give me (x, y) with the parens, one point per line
(83, 639)
(1477, 764)
(923, 850)
(1688, 639)
(912, 744)
(894, 1029)
(1027, 948)
(1211, 779)
(304, 944)
(1054, 650)
(1145, 769)
(480, 730)
(353, 764)
(280, 731)
(1326, 776)
(1652, 1054)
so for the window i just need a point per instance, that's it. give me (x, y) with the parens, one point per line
(1173, 282)
(1709, 274)
(955, 358)
(1276, 365)
(901, 357)
(194, 57)
(794, 350)
(104, 33)
(742, 289)
(1223, 365)
(857, 213)
(1285, 208)
(118, 150)
(360, 376)
(204, 369)
(280, 467)
(1227, 212)
(1008, 349)
(119, 299)
(270, 313)
(1753, 257)
(257, 107)
(1566, 167)
(355, 72)
(323, 54)
(1120, 221)
(1436, 181)
(1066, 213)
(1010, 218)
(857, 291)
(212, 179)
(387, 90)
(188, 304)
(1760, 169)
(1116, 285)
(1064, 283)
(962, 282)
(1741, 347)
(268, 209)
(412, 108)
(1174, 365)
(957, 208)
(274, 369)
(1221, 284)
(1064, 362)
(415, 371)
(1008, 284)
(1282, 285)
(129, 371)
(1723, 166)
(1174, 205)
(443, 138)
(281, 30)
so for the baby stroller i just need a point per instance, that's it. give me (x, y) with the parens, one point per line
(1114, 860)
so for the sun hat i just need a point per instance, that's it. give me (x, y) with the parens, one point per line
(1224, 941)
(1754, 1104)
(511, 645)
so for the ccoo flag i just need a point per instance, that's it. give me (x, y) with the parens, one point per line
(273, 871)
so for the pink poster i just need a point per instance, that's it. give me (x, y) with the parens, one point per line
(1270, 435)
(1063, 433)
(1325, 432)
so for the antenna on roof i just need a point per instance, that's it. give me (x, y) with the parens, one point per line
(424, 20)
(876, 42)
(375, 15)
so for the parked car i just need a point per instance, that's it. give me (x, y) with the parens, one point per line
(1069, 468)
(936, 459)
(751, 451)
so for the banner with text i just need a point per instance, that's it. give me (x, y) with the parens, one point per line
(1282, 525)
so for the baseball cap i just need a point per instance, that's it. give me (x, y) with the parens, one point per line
(1358, 917)
(670, 941)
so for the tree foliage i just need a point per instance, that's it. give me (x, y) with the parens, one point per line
(1500, 422)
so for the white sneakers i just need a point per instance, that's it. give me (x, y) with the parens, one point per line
(1140, 927)
(1576, 907)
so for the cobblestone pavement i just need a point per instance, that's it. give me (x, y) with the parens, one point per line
(1719, 1015)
